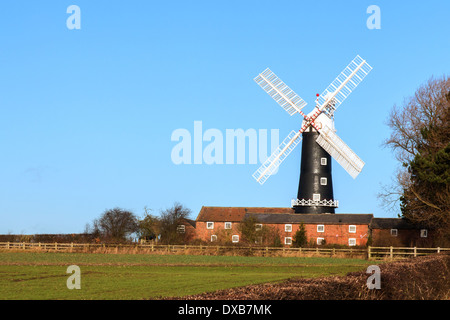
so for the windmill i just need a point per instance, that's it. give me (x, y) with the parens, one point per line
(320, 141)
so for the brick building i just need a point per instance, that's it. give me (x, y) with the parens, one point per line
(187, 228)
(221, 224)
(399, 232)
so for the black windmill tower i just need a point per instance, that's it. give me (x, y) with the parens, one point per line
(320, 142)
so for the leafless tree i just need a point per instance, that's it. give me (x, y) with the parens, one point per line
(149, 225)
(420, 140)
(170, 219)
(114, 225)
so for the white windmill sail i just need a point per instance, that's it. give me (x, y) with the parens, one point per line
(280, 92)
(277, 157)
(342, 153)
(343, 85)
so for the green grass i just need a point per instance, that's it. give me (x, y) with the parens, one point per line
(29, 275)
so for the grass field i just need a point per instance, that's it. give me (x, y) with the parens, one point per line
(33, 275)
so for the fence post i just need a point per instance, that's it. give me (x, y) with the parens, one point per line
(415, 252)
(368, 253)
(391, 252)
(438, 249)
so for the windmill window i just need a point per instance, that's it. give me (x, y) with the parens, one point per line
(210, 225)
(320, 241)
(235, 238)
(320, 228)
(323, 181)
(288, 240)
(227, 225)
(213, 238)
(352, 229)
(352, 242)
(323, 161)
(423, 233)
(288, 227)
(316, 197)
(394, 232)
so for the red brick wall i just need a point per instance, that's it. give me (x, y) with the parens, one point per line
(407, 238)
(333, 234)
(223, 235)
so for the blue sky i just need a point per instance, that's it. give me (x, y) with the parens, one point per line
(86, 116)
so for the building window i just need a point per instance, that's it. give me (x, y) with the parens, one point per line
(235, 238)
(213, 238)
(423, 233)
(323, 161)
(288, 227)
(352, 229)
(394, 232)
(227, 225)
(320, 228)
(316, 197)
(210, 225)
(320, 241)
(323, 181)
(352, 242)
(288, 240)
(181, 228)
(258, 226)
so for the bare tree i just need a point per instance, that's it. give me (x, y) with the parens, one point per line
(426, 108)
(114, 225)
(149, 225)
(420, 139)
(170, 219)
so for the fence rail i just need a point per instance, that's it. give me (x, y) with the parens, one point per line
(369, 252)
(401, 252)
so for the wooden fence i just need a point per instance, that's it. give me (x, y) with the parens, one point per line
(370, 253)
(401, 252)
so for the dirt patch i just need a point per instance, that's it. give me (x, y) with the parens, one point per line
(425, 277)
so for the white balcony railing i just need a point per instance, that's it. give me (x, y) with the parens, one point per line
(322, 203)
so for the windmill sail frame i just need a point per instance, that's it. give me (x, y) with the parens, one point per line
(280, 92)
(327, 103)
(340, 151)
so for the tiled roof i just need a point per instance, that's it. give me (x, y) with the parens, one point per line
(338, 218)
(277, 215)
(235, 214)
(391, 223)
(188, 221)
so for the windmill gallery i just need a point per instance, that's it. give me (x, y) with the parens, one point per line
(315, 205)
